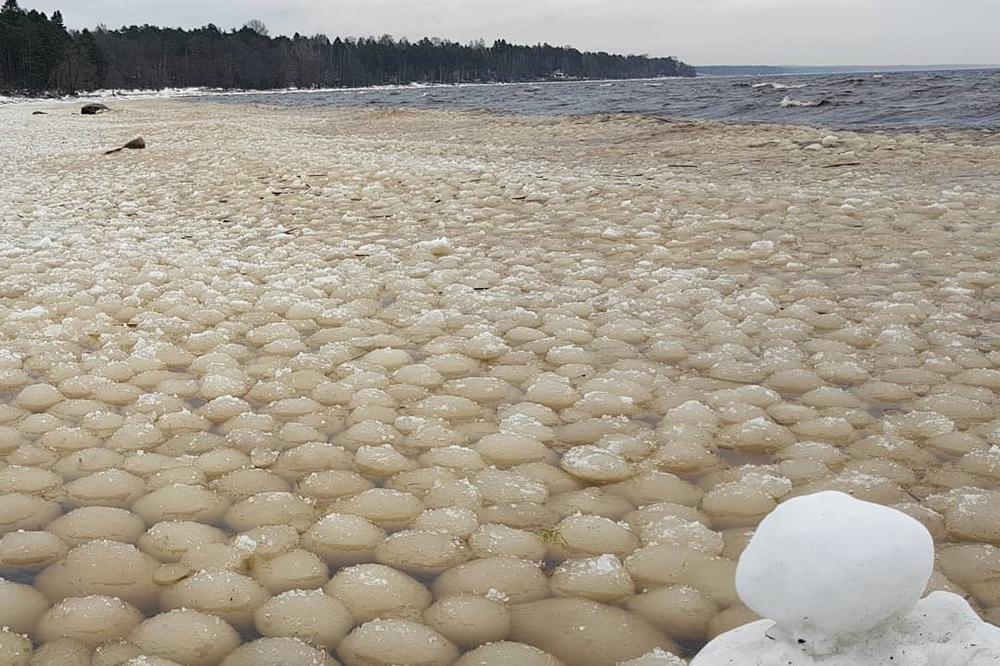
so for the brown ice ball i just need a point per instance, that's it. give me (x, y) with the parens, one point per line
(468, 620)
(28, 480)
(421, 553)
(507, 487)
(98, 522)
(381, 461)
(457, 522)
(25, 512)
(227, 594)
(278, 652)
(596, 465)
(111, 487)
(311, 615)
(208, 556)
(242, 483)
(426, 482)
(295, 570)
(680, 531)
(221, 461)
(330, 485)
(555, 479)
(585, 633)
(85, 462)
(181, 502)
(38, 397)
(62, 652)
(600, 578)
(310, 457)
(521, 515)
(670, 565)
(15, 648)
(375, 590)
(343, 539)
(679, 611)
(189, 475)
(106, 568)
(186, 636)
(452, 492)
(458, 458)
(271, 508)
(387, 508)
(507, 449)
(268, 540)
(395, 642)
(507, 653)
(21, 606)
(581, 536)
(168, 541)
(29, 551)
(509, 578)
(590, 501)
(655, 486)
(493, 540)
(91, 620)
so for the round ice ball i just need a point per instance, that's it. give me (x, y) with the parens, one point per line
(398, 642)
(277, 651)
(507, 653)
(106, 568)
(376, 591)
(20, 606)
(830, 564)
(90, 620)
(469, 620)
(186, 636)
(311, 615)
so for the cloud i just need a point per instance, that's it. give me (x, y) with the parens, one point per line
(700, 31)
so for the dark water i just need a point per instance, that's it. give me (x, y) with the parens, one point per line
(900, 100)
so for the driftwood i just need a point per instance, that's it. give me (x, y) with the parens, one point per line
(135, 144)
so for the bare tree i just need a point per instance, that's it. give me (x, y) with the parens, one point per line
(257, 26)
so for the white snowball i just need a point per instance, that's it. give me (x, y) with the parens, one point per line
(828, 564)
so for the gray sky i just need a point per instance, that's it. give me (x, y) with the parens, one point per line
(889, 32)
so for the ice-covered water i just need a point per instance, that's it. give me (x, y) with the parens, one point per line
(409, 386)
(894, 100)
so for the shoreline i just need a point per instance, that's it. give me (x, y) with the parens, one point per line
(650, 98)
(122, 102)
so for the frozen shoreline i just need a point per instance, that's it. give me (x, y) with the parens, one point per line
(613, 343)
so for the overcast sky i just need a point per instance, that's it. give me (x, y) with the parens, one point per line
(888, 32)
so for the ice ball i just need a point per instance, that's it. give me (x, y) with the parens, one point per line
(828, 564)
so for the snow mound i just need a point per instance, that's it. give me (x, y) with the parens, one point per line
(840, 581)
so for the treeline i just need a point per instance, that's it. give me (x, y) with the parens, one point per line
(38, 53)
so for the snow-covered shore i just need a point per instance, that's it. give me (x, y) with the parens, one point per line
(400, 358)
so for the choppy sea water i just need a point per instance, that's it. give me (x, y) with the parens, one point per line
(955, 99)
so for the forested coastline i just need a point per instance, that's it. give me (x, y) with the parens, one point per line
(39, 54)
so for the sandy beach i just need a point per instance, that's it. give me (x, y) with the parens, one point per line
(473, 377)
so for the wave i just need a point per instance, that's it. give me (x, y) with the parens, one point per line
(787, 102)
(779, 86)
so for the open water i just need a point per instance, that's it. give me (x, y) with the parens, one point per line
(954, 99)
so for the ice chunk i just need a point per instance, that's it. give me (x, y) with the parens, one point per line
(830, 564)
(840, 580)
